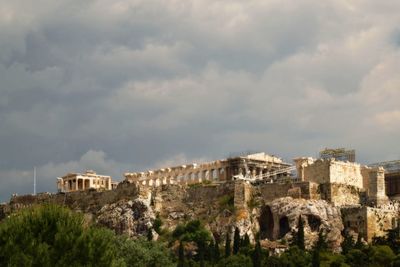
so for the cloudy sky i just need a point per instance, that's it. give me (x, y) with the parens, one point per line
(130, 85)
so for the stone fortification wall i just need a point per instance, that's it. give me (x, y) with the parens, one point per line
(354, 220)
(346, 173)
(209, 193)
(86, 201)
(378, 221)
(318, 172)
(273, 191)
(324, 171)
(243, 194)
(369, 222)
(342, 194)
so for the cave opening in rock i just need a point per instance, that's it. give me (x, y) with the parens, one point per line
(284, 227)
(266, 222)
(314, 222)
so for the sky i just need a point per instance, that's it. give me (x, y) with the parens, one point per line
(118, 86)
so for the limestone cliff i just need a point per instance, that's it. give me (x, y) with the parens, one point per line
(132, 218)
(221, 207)
(279, 219)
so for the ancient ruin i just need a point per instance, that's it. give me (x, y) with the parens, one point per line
(392, 177)
(83, 181)
(257, 193)
(253, 165)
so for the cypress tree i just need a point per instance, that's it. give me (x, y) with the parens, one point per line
(257, 255)
(393, 238)
(200, 250)
(318, 246)
(359, 244)
(149, 234)
(315, 261)
(227, 245)
(348, 243)
(246, 241)
(216, 251)
(321, 242)
(300, 234)
(210, 251)
(236, 241)
(181, 255)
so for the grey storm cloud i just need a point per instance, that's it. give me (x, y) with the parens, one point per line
(130, 85)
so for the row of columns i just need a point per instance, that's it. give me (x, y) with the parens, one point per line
(83, 184)
(196, 174)
(189, 177)
(253, 172)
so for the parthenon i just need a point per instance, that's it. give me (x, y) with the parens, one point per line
(251, 165)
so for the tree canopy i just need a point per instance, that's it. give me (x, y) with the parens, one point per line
(50, 235)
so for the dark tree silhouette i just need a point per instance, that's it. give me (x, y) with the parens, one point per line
(236, 241)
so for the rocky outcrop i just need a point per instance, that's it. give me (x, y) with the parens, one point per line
(279, 219)
(131, 210)
(131, 217)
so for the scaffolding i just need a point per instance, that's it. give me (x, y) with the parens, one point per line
(392, 166)
(339, 154)
(270, 177)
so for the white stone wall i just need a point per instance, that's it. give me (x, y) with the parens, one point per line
(323, 171)
(346, 173)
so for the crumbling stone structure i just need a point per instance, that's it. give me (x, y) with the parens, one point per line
(328, 194)
(369, 222)
(392, 177)
(220, 170)
(339, 180)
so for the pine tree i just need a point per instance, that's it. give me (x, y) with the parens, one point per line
(181, 255)
(300, 234)
(236, 241)
(257, 255)
(227, 245)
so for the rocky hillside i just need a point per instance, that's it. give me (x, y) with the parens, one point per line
(221, 207)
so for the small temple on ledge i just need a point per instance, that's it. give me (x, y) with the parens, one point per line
(72, 182)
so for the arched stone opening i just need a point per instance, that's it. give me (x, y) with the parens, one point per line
(314, 222)
(266, 223)
(284, 227)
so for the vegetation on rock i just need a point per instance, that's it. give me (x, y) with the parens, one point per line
(51, 235)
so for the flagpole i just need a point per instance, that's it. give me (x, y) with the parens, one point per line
(34, 181)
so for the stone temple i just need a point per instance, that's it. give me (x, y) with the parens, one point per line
(258, 193)
(82, 181)
(360, 191)
(253, 165)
